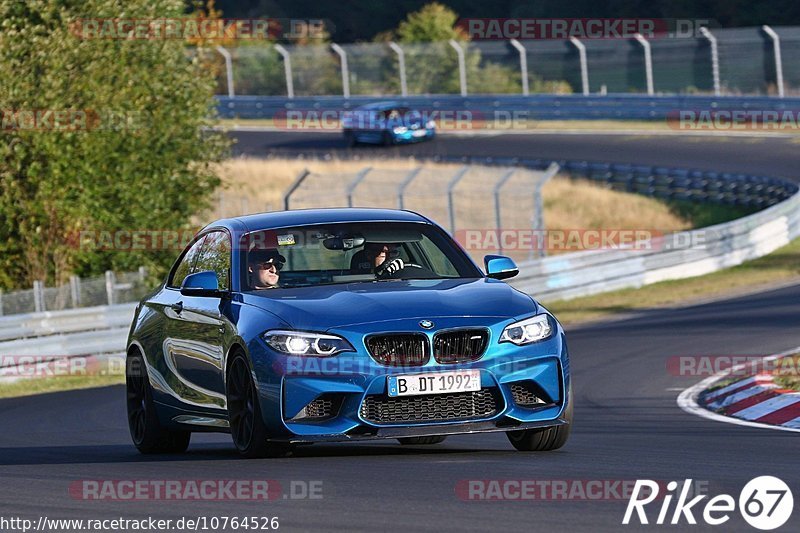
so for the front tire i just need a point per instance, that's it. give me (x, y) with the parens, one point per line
(545, 439)
(147, 434)
(250, 434)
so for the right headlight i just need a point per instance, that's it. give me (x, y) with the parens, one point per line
(527, 331)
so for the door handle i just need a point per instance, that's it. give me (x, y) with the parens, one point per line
(177, 307)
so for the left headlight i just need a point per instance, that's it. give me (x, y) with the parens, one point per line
(526, 331)
(306, 343)
(399, 129)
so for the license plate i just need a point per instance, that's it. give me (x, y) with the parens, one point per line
(419, 133)
(435, 383)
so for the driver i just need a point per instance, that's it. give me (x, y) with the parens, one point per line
(384, 259)
(263, 268)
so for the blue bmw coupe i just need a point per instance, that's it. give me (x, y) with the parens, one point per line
(342, 325)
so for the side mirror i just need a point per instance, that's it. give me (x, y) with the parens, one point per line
(500, 267)
(201, 284)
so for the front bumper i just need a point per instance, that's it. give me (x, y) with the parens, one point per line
(288, 386)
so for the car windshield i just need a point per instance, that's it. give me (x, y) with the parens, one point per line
(305, 256)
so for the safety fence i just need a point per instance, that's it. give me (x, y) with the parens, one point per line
(109, 289)
(757, 60)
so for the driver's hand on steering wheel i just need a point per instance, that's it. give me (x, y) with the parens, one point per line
(391, 267)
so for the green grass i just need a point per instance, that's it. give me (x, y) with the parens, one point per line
(790, 378)
(29, 387)
(702, 215)
(781, 265)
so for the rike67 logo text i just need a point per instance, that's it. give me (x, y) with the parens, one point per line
(765, 503)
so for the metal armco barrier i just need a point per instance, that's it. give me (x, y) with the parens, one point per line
(508, 107)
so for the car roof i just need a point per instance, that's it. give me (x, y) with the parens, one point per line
(304, 217)
(380, 105)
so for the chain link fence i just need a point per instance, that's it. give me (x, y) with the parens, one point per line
(109, 289)
(745, 59)
(460, 198)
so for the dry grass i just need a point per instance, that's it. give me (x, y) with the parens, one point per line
(585, 205)
(254, 185)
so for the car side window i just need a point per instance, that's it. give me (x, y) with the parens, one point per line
(186, 266)
(215, 256)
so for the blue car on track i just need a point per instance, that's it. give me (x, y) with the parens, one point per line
(386, 123)
(341, 325)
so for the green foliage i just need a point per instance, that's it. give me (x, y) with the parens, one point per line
(140, 160)
(434, 22)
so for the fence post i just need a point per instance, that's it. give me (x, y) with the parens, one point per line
(523, 64)
(776, 49)
(228, 69)
(584, 64)
(538, 223)
(401, 64)
(648, 62)
(450, 187)
(297, 182)
(353, 184)
(462, 66)
(38, 296)
(496, 192)
(142, 273)
(75, 291)
(110, 282)
(401, 190)
(714, 58)
(345, 70)
(287, 69)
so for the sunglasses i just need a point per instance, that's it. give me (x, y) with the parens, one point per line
(390, 251)
(269, 265)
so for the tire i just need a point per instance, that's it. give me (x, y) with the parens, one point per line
(350, 139)
(249, 433)
(147, 434)
(545, 439)
(388, 139)
(417, 441)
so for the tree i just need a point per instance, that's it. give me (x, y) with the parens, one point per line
(136, 153)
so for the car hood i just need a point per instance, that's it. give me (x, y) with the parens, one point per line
(333, 306)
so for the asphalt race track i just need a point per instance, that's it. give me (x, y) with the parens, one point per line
(627, 423)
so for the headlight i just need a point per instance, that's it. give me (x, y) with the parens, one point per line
(527, 331)
(400, 129)
(306, 343)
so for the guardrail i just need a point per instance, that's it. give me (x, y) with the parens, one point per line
(505, 107)
(57, 322)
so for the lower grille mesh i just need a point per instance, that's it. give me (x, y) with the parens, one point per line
(428, 408)
(526, 395)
